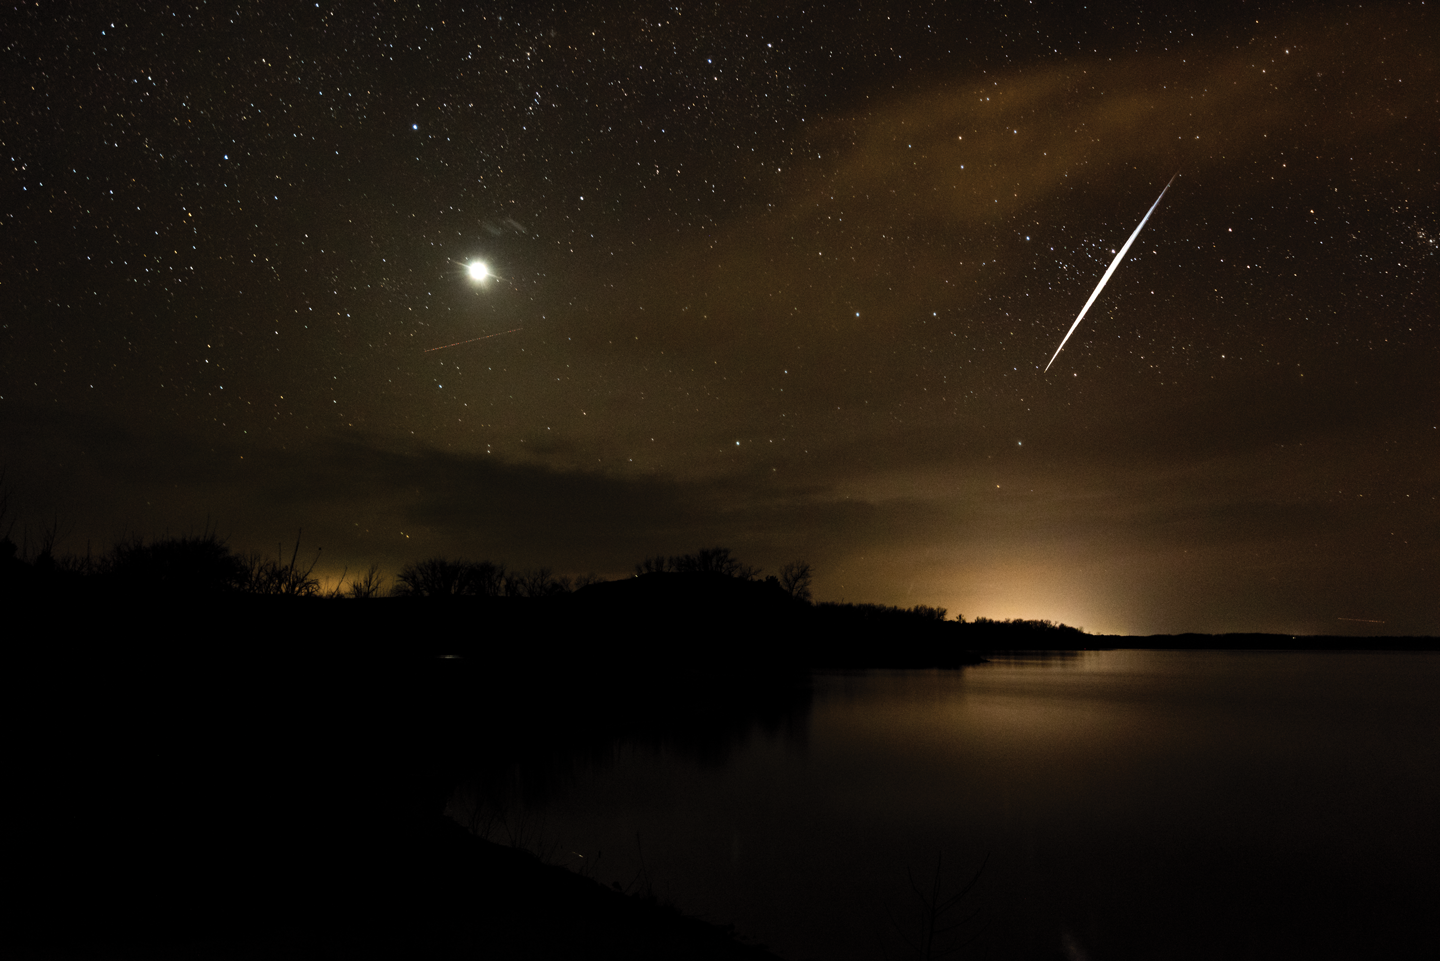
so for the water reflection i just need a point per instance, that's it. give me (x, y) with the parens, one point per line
(1130, 803)
(545, 732)
(1042, 658)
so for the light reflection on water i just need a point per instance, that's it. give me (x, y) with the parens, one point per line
(1132, 804)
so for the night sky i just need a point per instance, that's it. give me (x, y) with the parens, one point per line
(778, 276)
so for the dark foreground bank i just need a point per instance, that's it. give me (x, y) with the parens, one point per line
(278, 801)
(424, 888)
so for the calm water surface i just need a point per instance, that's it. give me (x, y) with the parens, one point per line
(1131, 804)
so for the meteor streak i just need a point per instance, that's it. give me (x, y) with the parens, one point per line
(470, 341)
(1113, 264)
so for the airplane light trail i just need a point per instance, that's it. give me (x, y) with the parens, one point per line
(1113, 264)
(471, 340)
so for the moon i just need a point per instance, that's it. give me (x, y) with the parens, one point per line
(477, 271)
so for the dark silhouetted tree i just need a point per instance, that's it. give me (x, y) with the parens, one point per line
(433, 577)
(370, 585)
(707, 560)
(795, 578)
(441, 577)
(658, 564)
(540, 582)
(486, 579)
(714, 560)
(12, 564)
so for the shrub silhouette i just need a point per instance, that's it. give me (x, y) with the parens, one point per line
(540, 582)
(658, 564)
(199, 564)
(707, 560)
(1022, 624)
(715, 560)
(9, 552)
(887, 615)
(265, 576)
(1021, 633)
(442, 577)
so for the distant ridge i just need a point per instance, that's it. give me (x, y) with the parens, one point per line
(1266, 642)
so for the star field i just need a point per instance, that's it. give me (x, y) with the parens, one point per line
(783, 277)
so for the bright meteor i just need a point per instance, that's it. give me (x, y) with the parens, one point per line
(1113, 264)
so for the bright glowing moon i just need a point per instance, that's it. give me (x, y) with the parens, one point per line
(477, 270)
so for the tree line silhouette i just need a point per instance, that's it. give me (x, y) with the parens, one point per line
(669, 589)
(203, 564)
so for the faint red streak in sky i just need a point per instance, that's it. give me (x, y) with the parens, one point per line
(471, 340)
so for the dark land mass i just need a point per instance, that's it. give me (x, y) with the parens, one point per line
(182, 801)
(229, 775)
(650, 622)
(1264, 642)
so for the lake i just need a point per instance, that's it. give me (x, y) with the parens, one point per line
(1123, 804)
